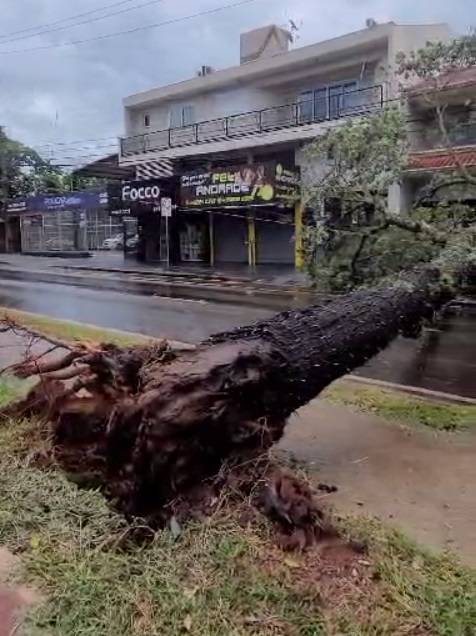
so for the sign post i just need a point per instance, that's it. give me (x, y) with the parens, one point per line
(166, 212)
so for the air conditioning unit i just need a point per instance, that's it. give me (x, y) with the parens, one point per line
(205, 70)
(370, 23)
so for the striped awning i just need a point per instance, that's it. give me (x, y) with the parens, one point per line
(158, 169)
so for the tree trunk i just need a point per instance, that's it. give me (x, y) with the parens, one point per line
(156, 425)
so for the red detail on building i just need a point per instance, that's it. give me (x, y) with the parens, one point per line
(443, 159)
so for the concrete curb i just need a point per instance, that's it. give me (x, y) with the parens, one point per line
(206, 276)
(428, 394)
(176, 344)
(265, 299)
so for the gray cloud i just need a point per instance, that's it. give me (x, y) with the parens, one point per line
(74, 93)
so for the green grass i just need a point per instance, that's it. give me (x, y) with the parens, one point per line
(70, 331)
(403, 408)
(217, 578)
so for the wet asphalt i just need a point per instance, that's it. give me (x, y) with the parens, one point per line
(185, 320)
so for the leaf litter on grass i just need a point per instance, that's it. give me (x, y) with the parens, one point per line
(220, 575)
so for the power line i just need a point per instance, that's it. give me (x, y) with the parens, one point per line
(131, 31)
(73, 17)
(94, 155)
(88, 21)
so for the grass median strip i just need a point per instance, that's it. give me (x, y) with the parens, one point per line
(218, 576)
(222, 575)
(69, 330)
(403, 408)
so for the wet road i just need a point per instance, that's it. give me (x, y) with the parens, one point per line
(444, 360)
(184, 320)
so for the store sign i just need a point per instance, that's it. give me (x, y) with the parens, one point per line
(166, 207)
(54, 202)
(135, 197)
(269, 183)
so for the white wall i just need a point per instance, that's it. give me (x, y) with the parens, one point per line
(206, 106)
(244, 99)
(408, 38)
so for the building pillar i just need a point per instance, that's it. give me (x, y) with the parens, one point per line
(211, 237)
(251, 240)
(400, 197)
(299, 235)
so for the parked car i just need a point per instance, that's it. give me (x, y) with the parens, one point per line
(113, 242)
(132, 242)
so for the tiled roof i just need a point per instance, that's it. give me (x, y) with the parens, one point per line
(442, 159)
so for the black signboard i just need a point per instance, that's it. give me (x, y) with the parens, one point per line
(138, 197)
(269, 183)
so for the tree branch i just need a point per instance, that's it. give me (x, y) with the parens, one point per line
(428, 194)
(440, 116)
(363, 240)
(417, 227)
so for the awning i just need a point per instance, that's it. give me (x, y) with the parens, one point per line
(107, 168)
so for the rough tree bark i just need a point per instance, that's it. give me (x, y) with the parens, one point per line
(153, 423)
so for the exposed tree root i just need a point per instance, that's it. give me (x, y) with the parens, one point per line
(148, 424)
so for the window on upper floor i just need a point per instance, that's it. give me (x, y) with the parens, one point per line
(146, 120)
(328, 102)
(181, 115)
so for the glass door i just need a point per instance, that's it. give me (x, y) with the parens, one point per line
(335, 101)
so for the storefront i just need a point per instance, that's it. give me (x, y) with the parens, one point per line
(275, 237)
(74, 221)
(230, 236)
(250, 209)
(151, 204)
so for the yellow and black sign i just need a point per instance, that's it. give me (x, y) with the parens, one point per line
(248, 185)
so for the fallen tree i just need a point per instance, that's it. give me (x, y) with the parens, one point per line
(148, 424)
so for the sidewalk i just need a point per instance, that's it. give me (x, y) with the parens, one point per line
(276, 275)
(110, 272)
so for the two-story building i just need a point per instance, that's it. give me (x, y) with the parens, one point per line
(234, 136)
(446, 142)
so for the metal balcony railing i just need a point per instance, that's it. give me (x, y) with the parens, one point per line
(305, 112)
(431, 138)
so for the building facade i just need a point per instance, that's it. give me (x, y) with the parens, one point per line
(68, 222)
(257, 114)
(446, 147)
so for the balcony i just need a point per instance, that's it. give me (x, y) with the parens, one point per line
(432, 151)
(296, 115)
(459, 135)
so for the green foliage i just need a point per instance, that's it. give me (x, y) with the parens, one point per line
(355, 238)
(19, 167)
(364, 158)
(23, 172)
(437, 59)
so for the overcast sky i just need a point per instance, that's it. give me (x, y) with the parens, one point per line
(73, 93)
